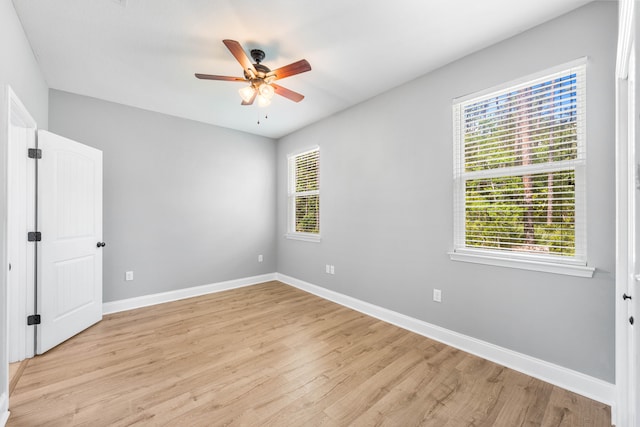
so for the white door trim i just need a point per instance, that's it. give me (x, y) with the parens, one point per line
(20, 336)
(13, 111)
(21, 133)
(620, 413)
(623, 412)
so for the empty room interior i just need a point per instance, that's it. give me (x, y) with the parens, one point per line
(331, 213)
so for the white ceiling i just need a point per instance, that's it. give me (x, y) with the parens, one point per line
(144, 53)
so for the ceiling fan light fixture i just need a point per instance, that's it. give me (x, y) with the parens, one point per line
(262, 101)
(266, 90)
(246, 93)
(259, 77)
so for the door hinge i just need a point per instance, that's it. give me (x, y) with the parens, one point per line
(34, 236)
(35, 153)
(34, 319)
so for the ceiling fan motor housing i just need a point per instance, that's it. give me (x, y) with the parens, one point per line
(261, 72)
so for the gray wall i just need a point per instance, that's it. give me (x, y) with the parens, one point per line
(386, 205)
(185, 203)
(19, 69)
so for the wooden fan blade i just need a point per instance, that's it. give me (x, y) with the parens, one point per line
(238, 52)
(288, 93)
(253, 98)
(225, 78)
(291, 69)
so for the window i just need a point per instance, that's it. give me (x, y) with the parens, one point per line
(519, 175)
(304, 195)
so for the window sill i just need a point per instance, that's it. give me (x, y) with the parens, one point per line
(305, 237)
(577, 270)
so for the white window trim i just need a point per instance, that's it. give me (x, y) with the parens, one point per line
(291, 233)
(305, 237)
(573, 266)
(522, 261)
(519, 81)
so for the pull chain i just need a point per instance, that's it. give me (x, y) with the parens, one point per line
(266, 116)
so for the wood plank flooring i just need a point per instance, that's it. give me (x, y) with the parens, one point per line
(15, 372)
(273, 355)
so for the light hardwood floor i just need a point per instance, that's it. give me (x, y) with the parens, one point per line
(15, 372)
(273, 355)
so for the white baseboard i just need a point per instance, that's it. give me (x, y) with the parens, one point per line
(178, 294)
(568, 379)
(4, 409)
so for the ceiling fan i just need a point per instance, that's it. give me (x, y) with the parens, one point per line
(260, 77)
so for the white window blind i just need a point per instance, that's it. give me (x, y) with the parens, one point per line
(304, 193)
(519, 169)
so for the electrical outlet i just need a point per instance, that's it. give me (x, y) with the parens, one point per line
(333, 269)
(437, 295)
(260, 259)
(327, 268)
(128, 275)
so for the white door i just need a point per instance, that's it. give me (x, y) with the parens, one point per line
(634, 282)
(634, 313)
(70, 258)
(633, 288)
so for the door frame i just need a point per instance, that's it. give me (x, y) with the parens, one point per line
(624, 410)
(13, 110)
(21, 338)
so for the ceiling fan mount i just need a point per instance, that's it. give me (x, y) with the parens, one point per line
(259, 76)
(257, 55)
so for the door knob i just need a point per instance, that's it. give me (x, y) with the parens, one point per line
(626, 297)
(101, 244)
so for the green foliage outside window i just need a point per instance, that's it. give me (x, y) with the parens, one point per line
(496, 209)
(522, 211)
(307, 199)
(307, 214)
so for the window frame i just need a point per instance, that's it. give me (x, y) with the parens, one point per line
(570, 265)
(292, 195)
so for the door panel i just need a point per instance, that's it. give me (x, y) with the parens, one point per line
(70, 219)
(633, 289)
(634, 279)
